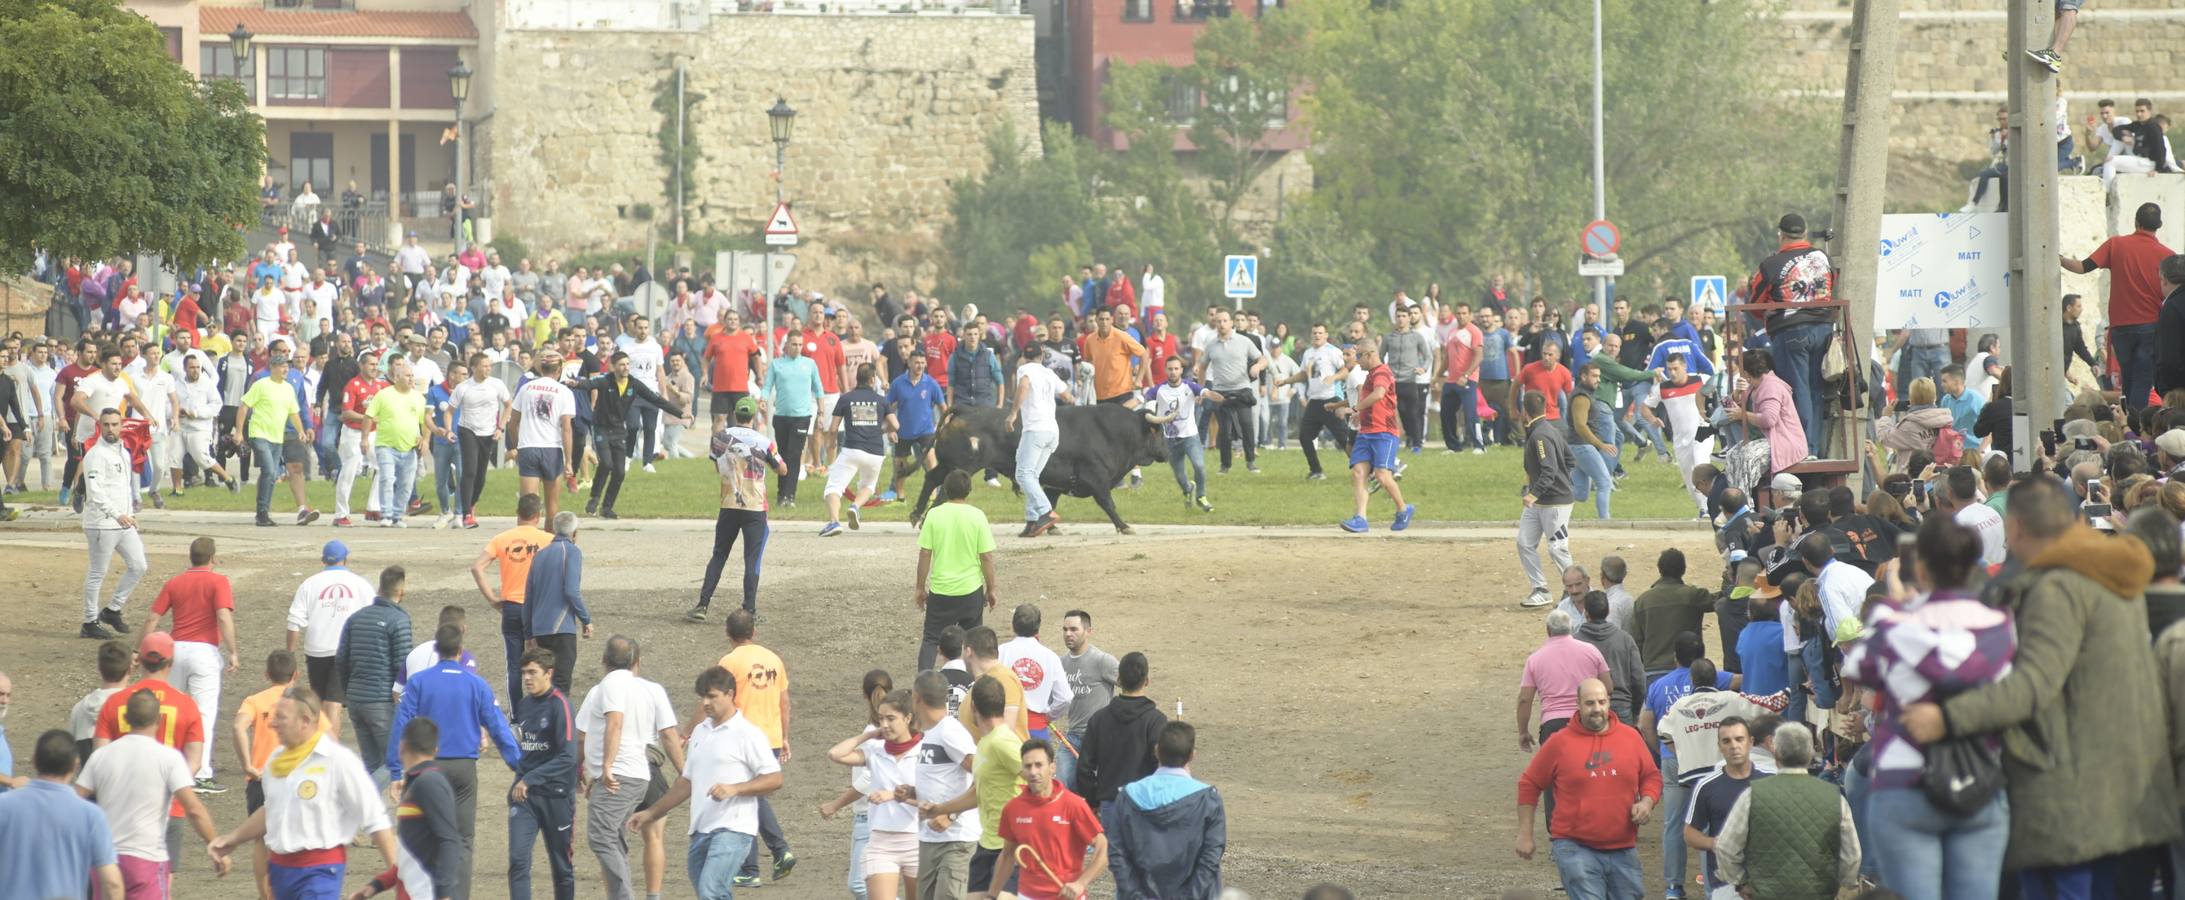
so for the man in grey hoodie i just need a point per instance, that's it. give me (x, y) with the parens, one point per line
(1627, 674)
(1169, 829)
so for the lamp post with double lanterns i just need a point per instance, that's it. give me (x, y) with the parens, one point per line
(459, 88)
(781, 119)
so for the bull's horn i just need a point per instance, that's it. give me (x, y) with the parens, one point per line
(1152, 419)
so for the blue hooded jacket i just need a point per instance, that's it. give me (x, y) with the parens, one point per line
(1168, 837)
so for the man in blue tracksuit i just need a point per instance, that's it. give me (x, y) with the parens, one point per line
(542, 803)
(461, 703)
(1169, 830)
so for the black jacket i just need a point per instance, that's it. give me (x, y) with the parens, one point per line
(2170, 343)
(1118, 748)
(610, 404)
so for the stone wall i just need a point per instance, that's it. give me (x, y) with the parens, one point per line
(891, 111)
(1951, 76)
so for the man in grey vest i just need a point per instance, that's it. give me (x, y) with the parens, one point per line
(1789, 836)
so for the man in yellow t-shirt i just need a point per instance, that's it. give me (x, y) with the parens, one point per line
(511, 552)
(398, 417)
(997, 776)
(266, 410)
(982, 651)
(762, 696)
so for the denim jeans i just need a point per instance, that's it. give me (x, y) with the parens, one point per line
(373, 722)
(1926, 854)
(1858, 787)
(1917, 362)
(713, 860)
(447, 477)
(270, 470)
(1795, 670)
(1592, 477)
(1635, 426)
(1825, 692)
(2135, 347)
(1799, 351)
(1590, 874)
(1676, 800)
(860, 835)
(1183, 451)
(1066, 754)
(397, 475)
(1033, 450)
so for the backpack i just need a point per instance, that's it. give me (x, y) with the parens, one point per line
(1949, 446)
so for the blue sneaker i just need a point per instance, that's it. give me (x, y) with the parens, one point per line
(64, 497)
(1356, 525)
(830, 529)
(889, 496)
(1403, 519)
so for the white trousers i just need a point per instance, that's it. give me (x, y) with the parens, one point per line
(355, 451)
(197, 668)
(1689, 456)
(197, 443)
(103, 543)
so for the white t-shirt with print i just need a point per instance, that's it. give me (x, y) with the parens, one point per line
(941, 774)
(542, 402)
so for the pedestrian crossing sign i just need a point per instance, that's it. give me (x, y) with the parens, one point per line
(1709, 292)
(1240, 276)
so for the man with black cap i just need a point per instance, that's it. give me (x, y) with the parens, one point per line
(2134, 262)
(1797, 275)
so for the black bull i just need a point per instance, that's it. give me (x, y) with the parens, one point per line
(1098, 445)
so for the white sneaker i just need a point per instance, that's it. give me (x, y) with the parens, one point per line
(993, 482)
(1477, 451)
(1537, 600)
(649, 470)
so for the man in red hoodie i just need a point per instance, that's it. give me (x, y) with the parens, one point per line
(1606, 785)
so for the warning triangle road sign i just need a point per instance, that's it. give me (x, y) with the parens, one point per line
(781, 227)
(1240, 276)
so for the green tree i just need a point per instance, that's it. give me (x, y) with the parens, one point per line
(1245, 68)
(1009, 227)
(107, 146)
(1457, 134)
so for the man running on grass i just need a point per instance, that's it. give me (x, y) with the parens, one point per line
(1373, 451)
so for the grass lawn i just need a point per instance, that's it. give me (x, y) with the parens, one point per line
(1444, 487)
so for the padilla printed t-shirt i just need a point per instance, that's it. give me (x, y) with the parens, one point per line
(542, 402)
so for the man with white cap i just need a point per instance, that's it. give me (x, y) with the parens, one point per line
(317, 616)
(2170, 452)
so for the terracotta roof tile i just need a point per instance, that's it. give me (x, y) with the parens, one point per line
(219, 20)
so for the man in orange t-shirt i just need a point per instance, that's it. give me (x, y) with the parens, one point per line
(511, 551)
(180, 727)
(762, 696)
(732, 354)
(1118, 360)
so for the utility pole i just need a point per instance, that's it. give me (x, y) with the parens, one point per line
(2035, 285)
(1600, 178)
(1862, 175)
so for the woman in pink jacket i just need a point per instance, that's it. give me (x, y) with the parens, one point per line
(1767, 406)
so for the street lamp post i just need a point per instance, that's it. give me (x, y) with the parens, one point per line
(781, 119)
(459, 87)
(239, 45)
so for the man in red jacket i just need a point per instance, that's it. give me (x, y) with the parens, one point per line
(1606, 784)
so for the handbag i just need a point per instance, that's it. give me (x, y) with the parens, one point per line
(1961, 775)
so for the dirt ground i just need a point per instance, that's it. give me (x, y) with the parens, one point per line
(1353, 695)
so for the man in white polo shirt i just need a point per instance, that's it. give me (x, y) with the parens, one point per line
(1047, 692)
(618, 715)
(730, 764)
